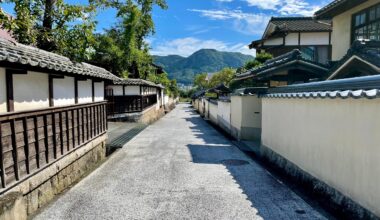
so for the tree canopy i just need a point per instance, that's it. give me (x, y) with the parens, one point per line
(53, 25)
(259, 60)
(69, 30)
(224, 76)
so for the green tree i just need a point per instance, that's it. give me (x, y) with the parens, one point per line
(224, 76)
(200, 81)
(53, 25)
(259, 60)
(126, 52)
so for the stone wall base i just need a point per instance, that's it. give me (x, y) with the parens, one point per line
(38, 190)
(151, 115)
(148, 116)
(336, 199)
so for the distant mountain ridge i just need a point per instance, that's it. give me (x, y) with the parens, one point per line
(203, 61)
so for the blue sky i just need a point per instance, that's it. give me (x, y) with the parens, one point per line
(227, 25)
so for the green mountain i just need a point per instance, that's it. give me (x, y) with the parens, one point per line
(203, 61)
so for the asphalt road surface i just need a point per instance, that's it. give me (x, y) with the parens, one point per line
(180, 168)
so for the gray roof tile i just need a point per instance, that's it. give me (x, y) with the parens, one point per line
(300, 24)
(370, 94)
(137, 82)
(337, 7)
(270, 65)
(30, 56)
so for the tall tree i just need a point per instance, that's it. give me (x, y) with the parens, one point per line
(52, 25)
(200, 81)
(134, 25)
(224, 76)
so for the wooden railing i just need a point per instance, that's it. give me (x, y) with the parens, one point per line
(130, 104)
(149, 100)
(31, 140)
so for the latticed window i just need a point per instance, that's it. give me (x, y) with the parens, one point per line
(366, 24)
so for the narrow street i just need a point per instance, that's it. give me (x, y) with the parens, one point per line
(180, 168)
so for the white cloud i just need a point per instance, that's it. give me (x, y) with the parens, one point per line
(286, 7)
(189, 45)
(264, 4)
(246, 23)
(297, 7)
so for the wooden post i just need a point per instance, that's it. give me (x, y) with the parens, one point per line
(54, 135)
(76, 90)
(61, 132)
(46, 140)
(51, 91)
(3, 183)
(26, 143)
(82, 127)
(67, 131)
(93, 90)
(9, 85)
(14, 150)
(73, 127)
(37, 142)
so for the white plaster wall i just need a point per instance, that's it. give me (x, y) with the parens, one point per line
(291, 39)
(246, 114)
(335, 140)
(316, 38)
(132, 90)
(236, 112)
(213, 113)
(162, 97)
(99, 91)
(341, 35)
(224, 115)
(118, 90)
(195, 104)
(206, 109)
(274, 41)
(251, 111)
(64, 91)
(166, 99)
(3, 92)
(31, 91)
(85, 91)
(201, 106)
(158, 101)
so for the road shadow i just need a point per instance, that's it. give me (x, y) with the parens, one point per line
(270, 197)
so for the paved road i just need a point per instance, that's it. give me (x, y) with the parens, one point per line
(180, 168)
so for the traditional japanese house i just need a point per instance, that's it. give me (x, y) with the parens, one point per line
(284, 34)
(301, 47)
(52, 118)
(362, 59)
(355, 37)
(131, 99)
(290, 68)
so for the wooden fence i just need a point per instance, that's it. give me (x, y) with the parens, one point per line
(130, 104)
(31, 140)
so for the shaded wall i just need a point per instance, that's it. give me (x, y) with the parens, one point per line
(85, 91)
(31, 91)
(224, 115)
(99, 91)
(333, 140)
(64, 91)
(246, 115)
(132, 90)
(213, 112)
